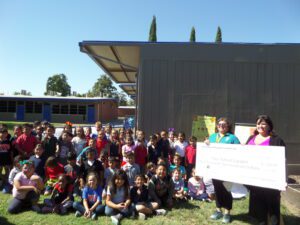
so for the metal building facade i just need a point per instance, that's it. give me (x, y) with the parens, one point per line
(240, 81)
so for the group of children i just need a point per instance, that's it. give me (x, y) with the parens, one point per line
(112, 172)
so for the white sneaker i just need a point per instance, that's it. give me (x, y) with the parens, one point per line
(161, 212)
(116, 219)
(142, 216)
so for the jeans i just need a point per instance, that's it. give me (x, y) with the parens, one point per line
(125, 212)
(17, 205)
(79, 207)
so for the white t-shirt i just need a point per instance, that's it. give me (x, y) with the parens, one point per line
(180, 147)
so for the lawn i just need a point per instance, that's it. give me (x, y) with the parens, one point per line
(191, 213)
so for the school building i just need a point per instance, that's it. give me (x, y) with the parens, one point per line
(172, 82)
(58, 109)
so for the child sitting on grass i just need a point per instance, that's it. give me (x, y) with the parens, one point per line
(197, 188)
(118, 198)
(179, 192)
(139, 197)
(161, 189)
(61, 198)
(52, 171)
(92, 199)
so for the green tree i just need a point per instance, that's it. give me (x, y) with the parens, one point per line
(58, 85)
(219, 35)
(193, 35)
(122, 98)
(103, 87)
(152, 32)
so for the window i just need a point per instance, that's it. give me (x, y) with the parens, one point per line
(38, 107)
(3, 106)
(20, 103)
(64, 109)
(55, 109)
(82, 110)
(29, 107)
(73, 109)
(11, 106)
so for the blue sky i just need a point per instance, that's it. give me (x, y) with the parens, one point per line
(40, 38)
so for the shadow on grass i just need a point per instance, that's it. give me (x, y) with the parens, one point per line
(291, 220)
(185, 205)
(244, 217)
(3, 221)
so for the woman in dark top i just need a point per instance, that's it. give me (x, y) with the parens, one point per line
(264, 201)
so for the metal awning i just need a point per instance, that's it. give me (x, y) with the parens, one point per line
(120, 60)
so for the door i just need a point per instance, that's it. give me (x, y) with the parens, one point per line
(91, 114)
(47, 112)
(20, 112)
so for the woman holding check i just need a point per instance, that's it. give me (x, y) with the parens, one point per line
(223, 197)
(264, 201)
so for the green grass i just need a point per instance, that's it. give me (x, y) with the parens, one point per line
(191, 213)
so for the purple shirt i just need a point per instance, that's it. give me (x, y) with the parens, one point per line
(24, 181)
(264, 143)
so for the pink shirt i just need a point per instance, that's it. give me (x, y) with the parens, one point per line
(264, 143)
(24, 181)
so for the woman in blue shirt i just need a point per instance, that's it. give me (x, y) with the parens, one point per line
(223, 197)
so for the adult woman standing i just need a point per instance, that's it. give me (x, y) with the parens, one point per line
(264, 201)
(223, 197)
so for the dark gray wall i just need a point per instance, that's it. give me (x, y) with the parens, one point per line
(241, 81)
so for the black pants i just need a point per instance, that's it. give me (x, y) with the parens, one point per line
(264, 201)
(223, 197)
(18, 205)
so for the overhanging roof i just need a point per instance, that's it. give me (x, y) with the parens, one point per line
(130, 89)
(120, 60)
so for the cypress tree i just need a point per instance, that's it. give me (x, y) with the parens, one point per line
(152, 33)
(219, 35)
(193, 35)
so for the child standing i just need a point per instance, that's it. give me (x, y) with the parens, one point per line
(72, 170)
(118, 197)
(179, 192)
(131, 168)
(140, 151)
(61, 198)
(92, 199)
(79, 141)
(151, 168)
(190, 156)
(6, 157)
(153, 151)
(180, 146)
(101, 144)
(177, 164)
(164, 145)
(64, 146)
(161, 188)
(49, 142)
(110, 170)
(52, 171)
(197, 188)
(39, 160)
(127, 148)
(26, 142)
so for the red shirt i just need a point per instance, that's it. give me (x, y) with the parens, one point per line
(53, 173)
(190, 154)
(100, 145)
(140, 154)
(27, 143)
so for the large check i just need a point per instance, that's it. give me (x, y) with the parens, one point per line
(262, 166)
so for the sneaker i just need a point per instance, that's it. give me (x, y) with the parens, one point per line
(142, 216)
(36, 208)
(226, 218)
(78, 214)
(216, 215)
(116, 219)
(161, 212)
(94, 216)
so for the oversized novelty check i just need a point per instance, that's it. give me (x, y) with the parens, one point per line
(262, 166)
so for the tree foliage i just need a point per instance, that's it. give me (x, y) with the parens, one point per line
(193, 35)
(103, 88)
(152, 32)
(58, 85)
(219, 35)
